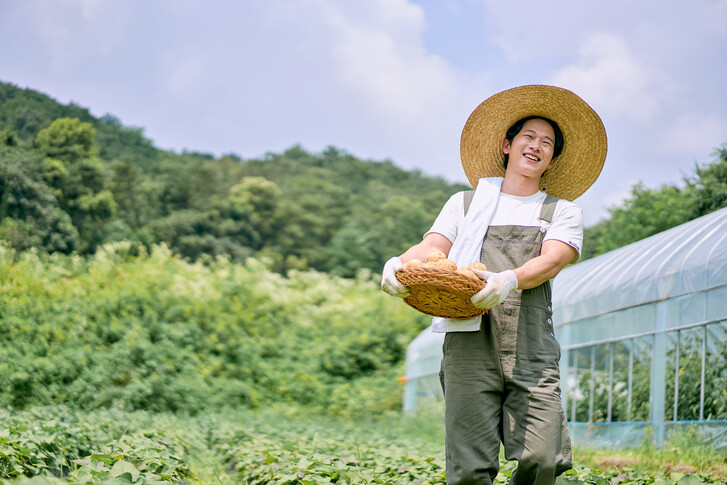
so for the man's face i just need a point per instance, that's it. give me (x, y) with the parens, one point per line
(531, 150)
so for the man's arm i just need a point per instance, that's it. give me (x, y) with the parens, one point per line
(445, 223)
(554, 256)
(432, 242)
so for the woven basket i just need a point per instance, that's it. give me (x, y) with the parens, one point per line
(441, 292)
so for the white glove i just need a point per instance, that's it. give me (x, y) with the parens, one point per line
(499, 285)
(389, 283)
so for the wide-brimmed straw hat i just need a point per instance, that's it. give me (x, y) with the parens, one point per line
(584, 136)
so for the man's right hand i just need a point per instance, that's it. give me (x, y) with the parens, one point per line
(389, 283)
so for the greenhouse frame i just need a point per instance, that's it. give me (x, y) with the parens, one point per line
(643, 335)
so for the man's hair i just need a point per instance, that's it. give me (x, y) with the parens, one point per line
(518, 125)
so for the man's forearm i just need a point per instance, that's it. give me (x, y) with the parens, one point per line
(554, 257)
(433, 242)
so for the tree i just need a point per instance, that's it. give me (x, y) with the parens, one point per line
(709, 187)
(374, 231)
(647, 212)
(650, 211)
(68, 139)
(78, 177)
(253, 208)
(30, 215)
(185, 183)
(312, 209)
(127, 184)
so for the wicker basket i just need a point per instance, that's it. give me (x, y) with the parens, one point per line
(441, 292)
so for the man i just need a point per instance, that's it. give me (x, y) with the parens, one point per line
(528, 152)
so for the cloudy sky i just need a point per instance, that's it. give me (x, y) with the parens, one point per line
(383, 79)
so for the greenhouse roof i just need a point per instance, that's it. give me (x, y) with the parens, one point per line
(682, 260)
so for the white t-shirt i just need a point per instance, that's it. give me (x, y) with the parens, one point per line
(512, 210)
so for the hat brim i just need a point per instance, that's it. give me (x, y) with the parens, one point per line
(584, 136)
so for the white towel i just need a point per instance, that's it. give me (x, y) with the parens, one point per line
(468, 245)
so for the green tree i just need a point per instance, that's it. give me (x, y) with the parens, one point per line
(645, 213)
(137, 195)
(709, 186)
(313, 210)
(114, 185)
(68, 139)
(650, 211)
(30, 215)
(78, 177)
(374, 231)
(253, 212)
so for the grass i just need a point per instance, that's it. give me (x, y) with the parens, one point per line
(295, 445)
(684, 452)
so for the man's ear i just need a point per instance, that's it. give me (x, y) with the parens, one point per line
(506, 146)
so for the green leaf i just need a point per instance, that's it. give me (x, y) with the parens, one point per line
(102, 457)
(123, 466)
(689, 480)
(84, 462)
(349, 460)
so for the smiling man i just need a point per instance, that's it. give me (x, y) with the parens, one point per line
(528, 152)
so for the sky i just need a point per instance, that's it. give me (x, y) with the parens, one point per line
(383, 79)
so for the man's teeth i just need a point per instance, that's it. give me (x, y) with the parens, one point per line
(531, 157)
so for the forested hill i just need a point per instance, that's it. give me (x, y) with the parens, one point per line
(70, 182)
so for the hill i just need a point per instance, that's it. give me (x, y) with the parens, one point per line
(72, 182)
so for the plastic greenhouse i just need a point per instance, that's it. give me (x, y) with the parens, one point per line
(643, 332)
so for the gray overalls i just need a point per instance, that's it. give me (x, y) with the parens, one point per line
(502, 382)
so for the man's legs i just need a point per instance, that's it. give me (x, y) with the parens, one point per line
(535, 430)
(472, 384)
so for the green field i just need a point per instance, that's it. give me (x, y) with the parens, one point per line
(136, 367)
(281, 445)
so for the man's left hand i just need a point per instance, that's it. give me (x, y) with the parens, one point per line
(499, 285)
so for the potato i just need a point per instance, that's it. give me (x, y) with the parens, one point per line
(435, 256)
(468, 273)
(478, 266)
(412, 263)
(445, 264)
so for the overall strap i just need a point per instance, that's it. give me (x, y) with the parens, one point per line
(468, 195)
(548, 208)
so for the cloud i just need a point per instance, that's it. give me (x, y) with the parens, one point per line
(696, 132)
(609, 75)
(380, 55)
(715, 17)
(267, 75)
(603, 196)
(72, 31)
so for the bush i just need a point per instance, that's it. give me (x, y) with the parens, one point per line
(136, 330)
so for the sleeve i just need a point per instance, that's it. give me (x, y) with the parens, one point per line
(567, 225)
(449, 218)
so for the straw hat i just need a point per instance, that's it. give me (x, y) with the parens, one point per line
(584, 148)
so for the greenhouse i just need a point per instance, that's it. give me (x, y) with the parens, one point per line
(643, 332)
